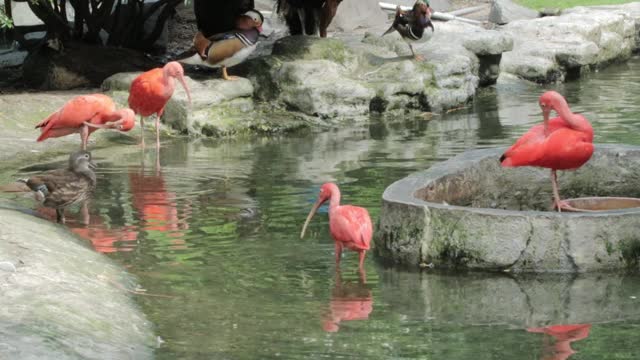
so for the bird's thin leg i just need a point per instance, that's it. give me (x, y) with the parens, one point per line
(157, 131)
(363, 276)
(338, 249)
(84, 136)
(417, 57)
(362, 253)
(60, 216)
(556, 193)
(560, 205)
(142, 131)
(226, 76)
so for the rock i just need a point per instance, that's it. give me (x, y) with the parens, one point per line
(12, 58)
(362, 14)
(21, 111)
(48, 69)
(548, 49)
(550, 12)
(63, 290)
(348, 76)
(7, 266)
(218, 107)
(499, 219)
(505, 11)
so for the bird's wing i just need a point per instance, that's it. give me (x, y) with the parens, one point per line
(224, 49)
(352, 225)
(146, 94)
(63, 187)
(527, 149)
(74, 113)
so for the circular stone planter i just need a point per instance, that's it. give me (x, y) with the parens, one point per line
(470, 212)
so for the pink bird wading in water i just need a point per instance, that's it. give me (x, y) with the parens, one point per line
(85, 114)
(350, 226)
(150, 92)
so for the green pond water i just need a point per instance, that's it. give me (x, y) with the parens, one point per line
(212, 234)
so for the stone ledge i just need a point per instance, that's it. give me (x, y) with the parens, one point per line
(61, 300)
(471, 218)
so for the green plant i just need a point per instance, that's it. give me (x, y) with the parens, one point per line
(5, 21)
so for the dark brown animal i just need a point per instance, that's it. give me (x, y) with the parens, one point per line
(308, 17)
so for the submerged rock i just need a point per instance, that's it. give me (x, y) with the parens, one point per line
(469, 212)
(62, 300)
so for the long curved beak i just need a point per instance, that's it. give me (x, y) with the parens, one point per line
(545, 115)
(184, 85)
(313, 211)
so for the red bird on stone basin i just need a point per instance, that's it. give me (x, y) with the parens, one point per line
(350, 226)
(150, 92)
(85, 114)
(562, 143)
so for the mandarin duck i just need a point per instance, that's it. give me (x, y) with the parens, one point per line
(230, 48)
(411, 24)
(63, 187)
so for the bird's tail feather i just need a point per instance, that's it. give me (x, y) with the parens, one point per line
(390, 30)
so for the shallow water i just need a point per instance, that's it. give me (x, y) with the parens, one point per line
(212, 234)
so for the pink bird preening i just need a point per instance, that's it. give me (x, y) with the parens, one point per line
(150, 92)
(350, 226)
(85, 114)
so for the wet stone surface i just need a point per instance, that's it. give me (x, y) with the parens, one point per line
(470, 212)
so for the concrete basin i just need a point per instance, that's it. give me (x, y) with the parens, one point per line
(469, 212)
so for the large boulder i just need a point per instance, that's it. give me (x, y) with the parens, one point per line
(61, 300)
(551, 48)
(505, 11)
(348, 75)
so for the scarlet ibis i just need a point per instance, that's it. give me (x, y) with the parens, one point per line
(85, 114)
(562, 143)
(150, 92)
(564, 335)
(350, 226)
(63, 187)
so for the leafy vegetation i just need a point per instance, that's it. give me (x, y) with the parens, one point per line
(5, 21)
(122, 21)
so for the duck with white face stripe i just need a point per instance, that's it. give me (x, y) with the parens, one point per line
(230, 48)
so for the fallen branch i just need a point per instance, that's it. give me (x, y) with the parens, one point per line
(434, 15)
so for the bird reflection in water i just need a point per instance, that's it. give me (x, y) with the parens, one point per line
(156, 207)
(349, 301)
(564, 335)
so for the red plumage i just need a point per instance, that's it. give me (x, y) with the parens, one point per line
(150, 92)
(350, 226)
(562, 143)
(96, 109)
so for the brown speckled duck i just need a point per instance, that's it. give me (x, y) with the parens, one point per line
(63, 187)
(411, 24)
